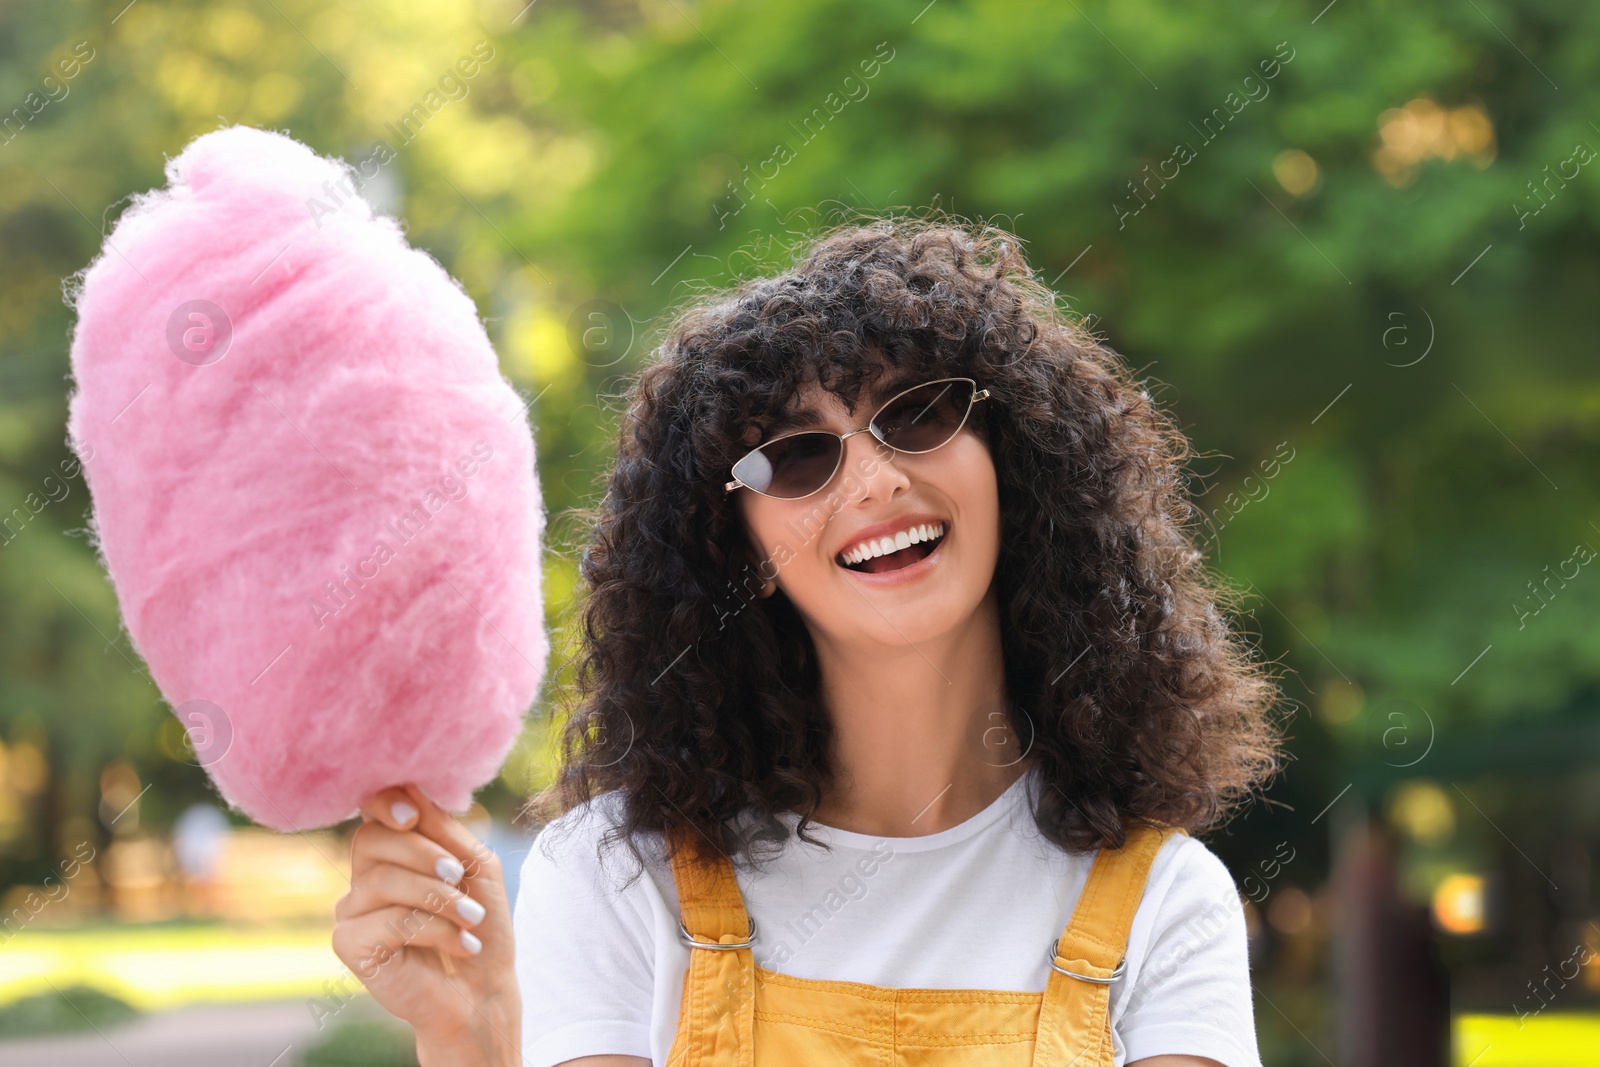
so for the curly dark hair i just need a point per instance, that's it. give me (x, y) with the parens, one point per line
(1165, 718)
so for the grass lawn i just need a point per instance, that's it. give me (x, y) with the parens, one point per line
(166, 964)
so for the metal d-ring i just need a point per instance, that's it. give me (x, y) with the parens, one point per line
(1054, 951)
(689, 939)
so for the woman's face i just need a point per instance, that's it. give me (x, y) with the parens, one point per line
(909, 595)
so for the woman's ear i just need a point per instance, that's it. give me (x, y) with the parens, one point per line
(759, 567)
(754, 562)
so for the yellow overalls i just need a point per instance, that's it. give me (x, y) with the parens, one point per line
(735, 1014)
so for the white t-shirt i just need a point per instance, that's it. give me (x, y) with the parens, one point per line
(971, 907)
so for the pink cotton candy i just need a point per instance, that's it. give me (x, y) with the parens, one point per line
(313, 489)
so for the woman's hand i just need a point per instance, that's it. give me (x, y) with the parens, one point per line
(422, 885)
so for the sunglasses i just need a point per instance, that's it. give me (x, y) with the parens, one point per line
(919, 419)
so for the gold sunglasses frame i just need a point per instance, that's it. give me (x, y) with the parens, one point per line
(977, 395)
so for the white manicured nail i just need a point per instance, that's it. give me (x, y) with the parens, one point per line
(470, 943)
(402, 811)
(449, 869)
(470, 910)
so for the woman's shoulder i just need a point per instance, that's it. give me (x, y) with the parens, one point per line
(584, 941)
(1188, 962)
(587, 841)
(1187, 850)
(589, 819)
(1188, 867)
(1189, 896)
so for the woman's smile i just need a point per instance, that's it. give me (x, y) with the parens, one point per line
(892, 546)
(901, 567)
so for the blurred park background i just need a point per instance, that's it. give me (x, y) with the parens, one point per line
(1353, 246)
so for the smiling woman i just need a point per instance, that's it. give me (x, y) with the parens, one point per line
(978, 632)
(980, 641)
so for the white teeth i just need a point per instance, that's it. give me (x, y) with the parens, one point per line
(930, 531)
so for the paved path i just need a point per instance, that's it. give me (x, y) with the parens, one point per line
(271, 1034)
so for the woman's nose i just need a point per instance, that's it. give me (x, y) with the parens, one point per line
(874, 464)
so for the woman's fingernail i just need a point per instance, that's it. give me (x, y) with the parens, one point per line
(449, 869)
(470, 943)
(402, 811)
(470, 910)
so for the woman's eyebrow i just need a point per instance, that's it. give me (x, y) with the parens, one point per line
(791, 420)
(899, 384)
(809, 417)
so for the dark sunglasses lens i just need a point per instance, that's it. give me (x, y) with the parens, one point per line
(925, 417)
(792, 467)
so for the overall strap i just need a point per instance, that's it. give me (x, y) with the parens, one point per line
(717, 1017)
(1074, 1019)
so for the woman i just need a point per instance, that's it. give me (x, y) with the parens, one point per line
(903, 683)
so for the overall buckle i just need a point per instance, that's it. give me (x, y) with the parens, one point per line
(1054, 951)
(689, 939)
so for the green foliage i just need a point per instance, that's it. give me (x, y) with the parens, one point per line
(365, 1042)
(69, 1010)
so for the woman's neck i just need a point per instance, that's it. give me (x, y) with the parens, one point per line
(922, 738)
